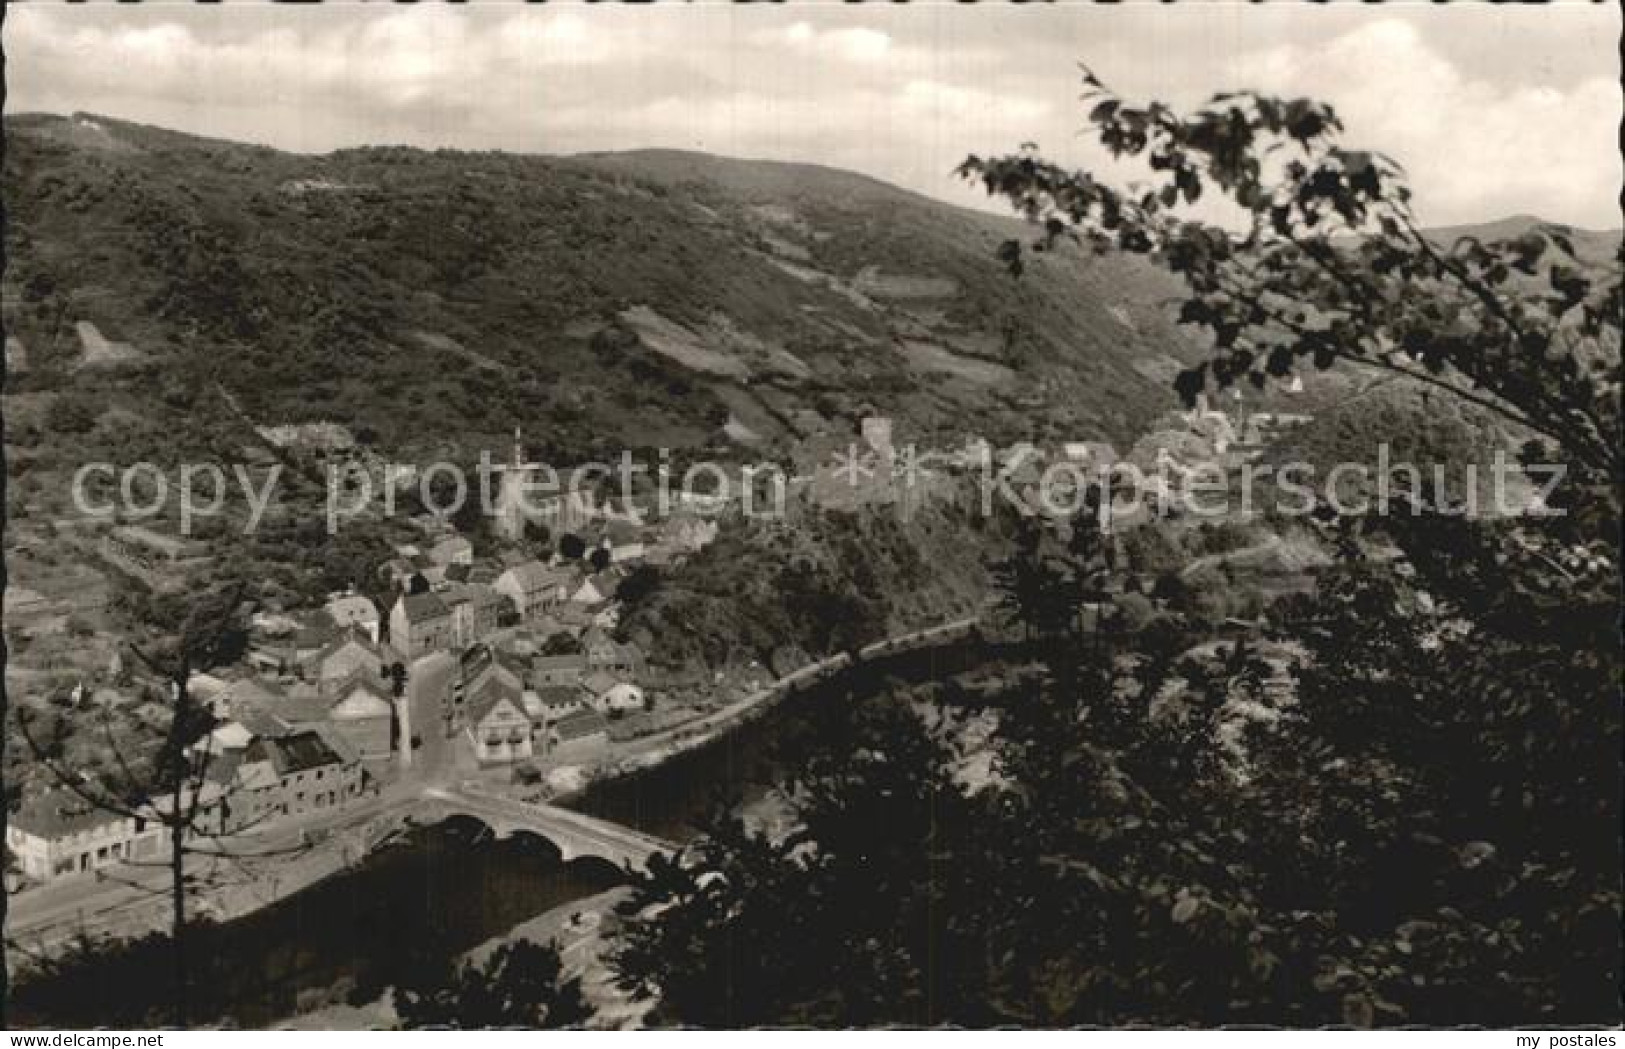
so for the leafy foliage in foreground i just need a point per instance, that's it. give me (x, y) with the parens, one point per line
(1332, 266)
(522, 984)
(1424, 838)
(1428, 835)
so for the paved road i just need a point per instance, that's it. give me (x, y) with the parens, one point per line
(426, 689)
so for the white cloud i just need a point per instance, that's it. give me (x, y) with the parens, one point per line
(934, 100)
(1473, 149)
(857, 45)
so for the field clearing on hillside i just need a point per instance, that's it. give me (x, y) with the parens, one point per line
(983, 344)
(446, 344)
(827, 281)
(786, 248)
(926, 316)
(879, 285)
(805, 274)
(1159, 369)
(760, 355)
(98, 351)
(671, 339)
(739, 433)
(927, 357)
(81, 132)
(1123, 317)
(747, 411)
(846, 330)
(781, 215)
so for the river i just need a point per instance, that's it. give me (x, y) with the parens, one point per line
(671, 800)
(441, 890)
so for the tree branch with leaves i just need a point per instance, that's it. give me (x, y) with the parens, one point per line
(1324, 261)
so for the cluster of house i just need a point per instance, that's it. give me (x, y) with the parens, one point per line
(1151, 475)
(315, 705)
(515, 703)
(448, 601)
(497, 615)
(250, 782)
(275, 752)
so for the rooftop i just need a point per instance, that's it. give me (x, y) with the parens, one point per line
(58, 813)
(534, 575)
(542, 664)
(244, 694)
(302, 706)
(476, 594)
(558, 696)
(370, 685)
(350, 639)
(261, 723)
(346, 608)
(491, 693)
(579, 725)
(423, 606)
(300, 752)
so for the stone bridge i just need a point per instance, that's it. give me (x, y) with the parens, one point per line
(574, 834)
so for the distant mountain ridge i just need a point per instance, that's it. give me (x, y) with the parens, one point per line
(1596, 248)
(1516, 225)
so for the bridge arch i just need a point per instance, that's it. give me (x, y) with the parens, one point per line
(574, 835)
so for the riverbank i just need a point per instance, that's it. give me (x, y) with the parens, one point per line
(669, 798)
(657, 748)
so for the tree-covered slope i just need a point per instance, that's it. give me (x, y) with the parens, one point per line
(436, 299)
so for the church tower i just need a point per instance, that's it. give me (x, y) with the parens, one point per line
(510, 507)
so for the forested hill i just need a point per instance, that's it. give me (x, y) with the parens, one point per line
(187, 287)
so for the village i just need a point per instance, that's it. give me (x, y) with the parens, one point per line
(479, 664)
(495, 667)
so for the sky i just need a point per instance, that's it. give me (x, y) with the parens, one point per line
(1493, 111)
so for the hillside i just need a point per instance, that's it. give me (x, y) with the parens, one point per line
(829, 583)
(173, 298)
(186, 288)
